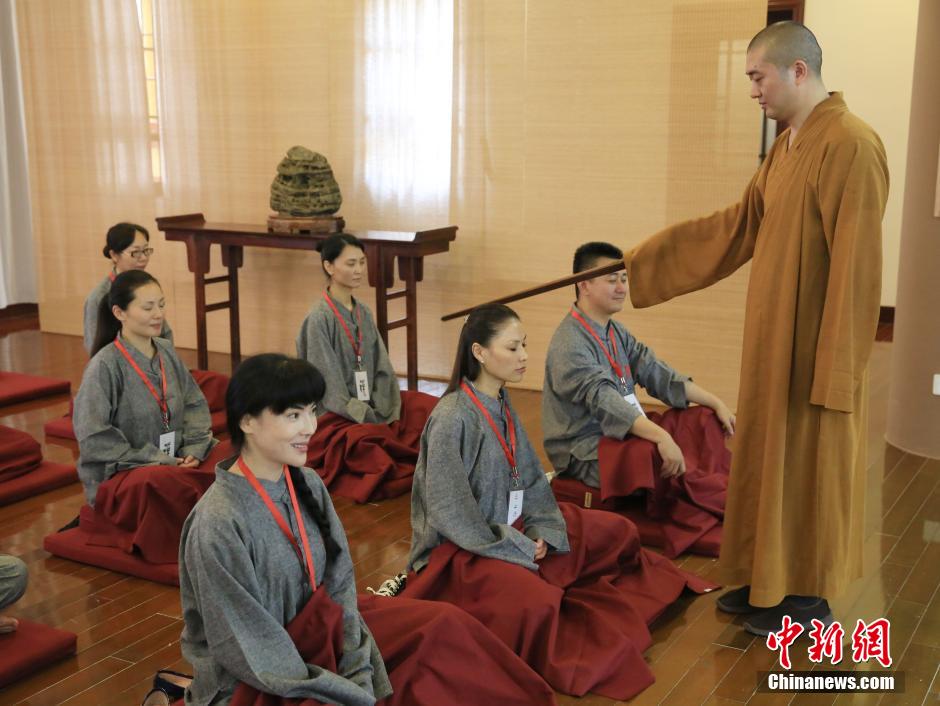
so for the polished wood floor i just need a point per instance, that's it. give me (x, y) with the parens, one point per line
(128, 628)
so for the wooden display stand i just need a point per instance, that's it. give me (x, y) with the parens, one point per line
(305, 224)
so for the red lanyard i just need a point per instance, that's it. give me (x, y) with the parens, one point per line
(356, 346)
(164, 408)
(112, 276)
(508, 448)
(306, 556)
(612, 358)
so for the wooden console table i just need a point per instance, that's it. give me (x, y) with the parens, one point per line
(382, 247)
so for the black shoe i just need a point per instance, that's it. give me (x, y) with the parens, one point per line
(801, 609)
(156, 697)
(173, 684)
(736, 601)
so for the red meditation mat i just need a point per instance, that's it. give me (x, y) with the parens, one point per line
(19, 387)
(73, 544)
(60, 428)
(32, 647)
(47, 476)
(651, 531)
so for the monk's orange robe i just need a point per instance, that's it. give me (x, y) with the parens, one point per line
(811, 220)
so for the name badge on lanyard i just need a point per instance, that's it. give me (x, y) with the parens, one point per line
(515, 506)
(362, 385)
(168, 443)
(634, 402)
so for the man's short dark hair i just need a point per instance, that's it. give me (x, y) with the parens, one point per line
(586, 257)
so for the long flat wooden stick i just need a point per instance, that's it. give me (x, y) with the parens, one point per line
(542, 288)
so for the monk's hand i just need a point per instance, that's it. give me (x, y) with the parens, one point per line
(188, 462)
(8, 624)
(726, 417)
(673, 461)
(541, 549)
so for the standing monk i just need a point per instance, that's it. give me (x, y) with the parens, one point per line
(811, 220)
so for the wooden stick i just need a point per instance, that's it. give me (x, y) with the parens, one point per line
(542, 288)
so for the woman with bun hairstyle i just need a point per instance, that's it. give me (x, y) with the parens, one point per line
(127, 246)
(366, 444)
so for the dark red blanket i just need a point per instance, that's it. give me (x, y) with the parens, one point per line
(688, 506)
(582, 620)
(143, 510)
(434, 653)
(365, 462)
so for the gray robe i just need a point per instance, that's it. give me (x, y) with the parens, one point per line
(462, 483)
(582, 399)
(241, 583)
(323, 342)
(14, 576)
(90, 323)
(118, 422)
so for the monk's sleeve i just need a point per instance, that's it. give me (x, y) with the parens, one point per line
(540, 513)
(693, 255)
(313, 345)
(242, 636)
(452, 509)
(853, 190)
(90, 321)
(166, 332)
(361, 662)
(197, 420)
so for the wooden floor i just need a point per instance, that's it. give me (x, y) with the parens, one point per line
(128, 628)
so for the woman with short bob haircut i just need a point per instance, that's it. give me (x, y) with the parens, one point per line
(367, 442)
(268, 588)
(572, 590)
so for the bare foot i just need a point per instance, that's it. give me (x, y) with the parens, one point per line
(8, 624)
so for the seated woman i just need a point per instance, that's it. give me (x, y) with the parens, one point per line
(571, 591)
(142, 426)
(127, 245)
(366, 444)
(268, 589)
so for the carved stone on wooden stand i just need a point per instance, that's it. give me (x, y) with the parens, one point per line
(305, 195)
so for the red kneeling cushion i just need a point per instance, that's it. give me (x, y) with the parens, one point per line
(19, 387)
(30, 648)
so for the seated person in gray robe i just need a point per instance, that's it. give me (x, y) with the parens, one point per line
(571, 590)
(589, 401)
(268, 589)
(13, 579)
(339, 337)
(127, 245)
(142, 423)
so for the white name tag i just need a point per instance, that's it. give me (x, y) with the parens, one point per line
(515, 506)
(635, 403)
(362, 385)
(168, 443)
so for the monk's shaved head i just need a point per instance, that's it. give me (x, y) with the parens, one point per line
(785, 42)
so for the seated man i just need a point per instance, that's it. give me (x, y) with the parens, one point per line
(589, 404)
(13, 575)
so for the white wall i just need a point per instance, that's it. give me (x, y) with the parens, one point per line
(868, 54)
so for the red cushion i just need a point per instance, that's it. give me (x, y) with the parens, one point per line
(19, 453)
(72, 544)
(19, 387)
(61, 428)
(30, 648)
(213, 386)
(47, 476)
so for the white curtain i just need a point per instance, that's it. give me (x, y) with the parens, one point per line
(17, 270)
